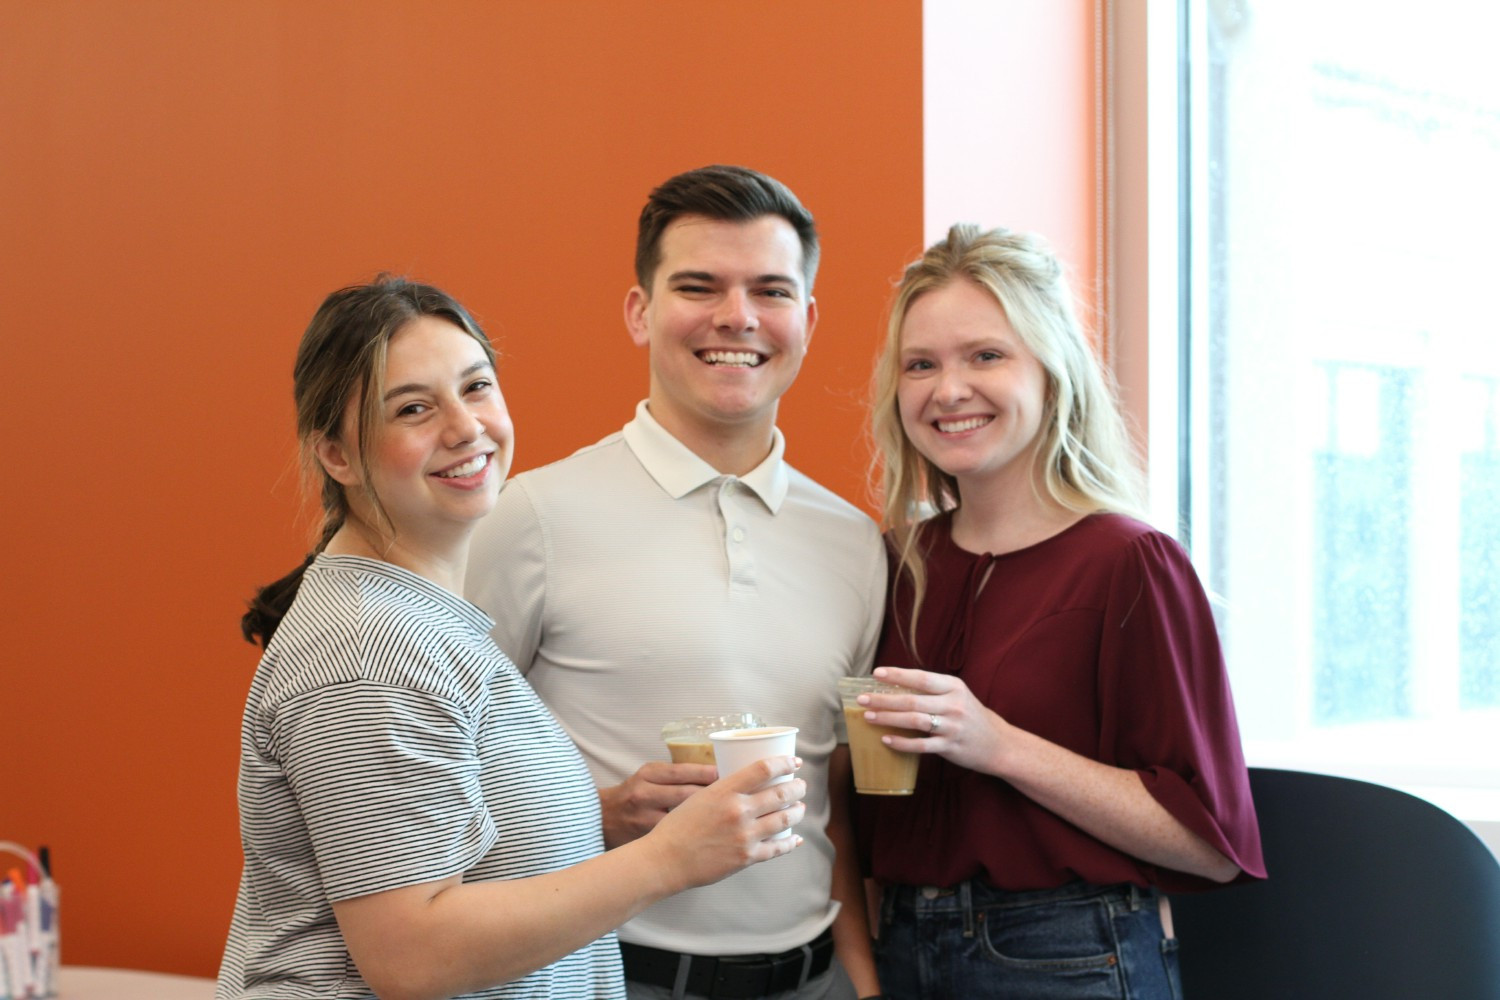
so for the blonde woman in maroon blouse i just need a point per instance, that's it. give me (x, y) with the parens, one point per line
(1062, 667)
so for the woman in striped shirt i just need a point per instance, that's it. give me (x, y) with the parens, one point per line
(414, 821)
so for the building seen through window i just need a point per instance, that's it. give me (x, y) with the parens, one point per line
(1346, 397)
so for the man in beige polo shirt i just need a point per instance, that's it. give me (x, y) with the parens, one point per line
(680, 566)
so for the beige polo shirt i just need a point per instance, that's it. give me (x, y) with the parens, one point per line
(633, 584)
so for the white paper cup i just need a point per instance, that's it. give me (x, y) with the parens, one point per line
(738, 748)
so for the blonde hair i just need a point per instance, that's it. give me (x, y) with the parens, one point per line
(1085, 456)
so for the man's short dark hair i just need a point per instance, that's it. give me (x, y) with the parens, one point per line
(727, 194)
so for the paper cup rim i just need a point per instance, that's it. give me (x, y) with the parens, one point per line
(772, 732)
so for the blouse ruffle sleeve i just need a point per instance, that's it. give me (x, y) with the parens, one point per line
(1173, 720)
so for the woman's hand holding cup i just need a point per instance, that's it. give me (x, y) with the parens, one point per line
(733, 823)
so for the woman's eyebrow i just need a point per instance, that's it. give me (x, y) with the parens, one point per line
(402, 390)
(410, 387)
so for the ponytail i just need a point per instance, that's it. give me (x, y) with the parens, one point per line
(270, 603)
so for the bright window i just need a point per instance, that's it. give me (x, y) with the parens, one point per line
(1343, 374)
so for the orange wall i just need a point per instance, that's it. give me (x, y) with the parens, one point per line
(181, 182)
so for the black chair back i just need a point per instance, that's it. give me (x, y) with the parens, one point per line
(1373, 894)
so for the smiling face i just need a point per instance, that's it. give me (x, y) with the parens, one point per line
(442, 445)
(972, 397)
(727, 321)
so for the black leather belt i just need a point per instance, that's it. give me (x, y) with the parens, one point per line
(732, 977)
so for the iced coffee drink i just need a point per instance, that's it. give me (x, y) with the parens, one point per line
(878, 769)
(687, 738)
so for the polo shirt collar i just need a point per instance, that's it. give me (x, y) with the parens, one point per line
(678, 471)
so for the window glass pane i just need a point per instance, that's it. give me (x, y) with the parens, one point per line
(1348, 160)
(1361, 626)
(1479, 568)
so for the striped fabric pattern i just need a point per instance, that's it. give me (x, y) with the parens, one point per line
(386, 742)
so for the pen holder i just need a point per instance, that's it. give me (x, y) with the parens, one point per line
(28, 926)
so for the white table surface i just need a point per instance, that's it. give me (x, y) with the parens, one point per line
(82, 982)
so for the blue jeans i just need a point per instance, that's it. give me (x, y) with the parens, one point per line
(1076, 942)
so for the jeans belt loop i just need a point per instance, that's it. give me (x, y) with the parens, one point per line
(1144, 898)
(807, 957)
(966, 904)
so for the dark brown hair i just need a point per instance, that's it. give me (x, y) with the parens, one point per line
(728, 194)
(341, 358)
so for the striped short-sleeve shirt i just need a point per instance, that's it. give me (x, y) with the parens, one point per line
(387, 742)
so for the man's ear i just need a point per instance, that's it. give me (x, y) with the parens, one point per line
(337, 461)
(637, 301)
(812, 318)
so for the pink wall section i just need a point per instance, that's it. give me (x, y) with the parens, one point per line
(1010, 126)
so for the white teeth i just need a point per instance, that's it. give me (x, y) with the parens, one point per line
(470, 467)
(740, 359)
(958, 426)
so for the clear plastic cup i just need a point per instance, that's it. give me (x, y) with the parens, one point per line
(687, 738)
(878, 770)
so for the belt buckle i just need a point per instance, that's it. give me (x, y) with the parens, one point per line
(936, 891)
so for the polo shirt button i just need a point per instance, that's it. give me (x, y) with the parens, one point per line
(739, 534)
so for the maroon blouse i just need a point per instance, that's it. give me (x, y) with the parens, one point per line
(1099, 639)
